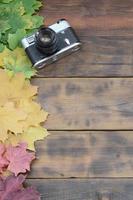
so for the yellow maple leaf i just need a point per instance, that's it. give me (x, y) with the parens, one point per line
(35, 115)
(12, 139)
(10, 118)
(2, 56)
(14, 88)
(18, 111)
(17, 118)
(30, 136)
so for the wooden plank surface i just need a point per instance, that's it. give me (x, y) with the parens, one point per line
(98, 189)
(86, 104)
(72, 68)
(106, 30)
(84, 154)
(98, 17)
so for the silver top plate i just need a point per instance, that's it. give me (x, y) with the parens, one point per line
(57, 27)
(60, 26)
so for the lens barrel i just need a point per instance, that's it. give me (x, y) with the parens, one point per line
(46, 41)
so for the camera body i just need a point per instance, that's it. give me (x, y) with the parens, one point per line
(66, 42)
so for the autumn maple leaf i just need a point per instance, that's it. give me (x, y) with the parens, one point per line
(3, 161)
(18, 111)
(14, 88)
(19, 159)
(11, 188)
(35, 115)
(30, 136)
(10, 118)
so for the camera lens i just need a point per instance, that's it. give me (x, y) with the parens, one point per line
(47, 41)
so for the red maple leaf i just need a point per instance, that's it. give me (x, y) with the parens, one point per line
(19, 158)
(11, 188)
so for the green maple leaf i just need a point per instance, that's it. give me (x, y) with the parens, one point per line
(13, 7)
(31, 6)
(4, 26)
(20, 17)
(5, 1)
(17, 20)
(1, 47)
(37, 5)
(14, 39)
(32, 22)
(19, 7)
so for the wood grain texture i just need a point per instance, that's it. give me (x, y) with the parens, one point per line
(86, 104)
(99, 17)
(71, 70)
(81, 104)
(84, 189)
(84, 154)
(106, 30)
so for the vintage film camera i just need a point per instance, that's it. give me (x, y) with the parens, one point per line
(49, 44)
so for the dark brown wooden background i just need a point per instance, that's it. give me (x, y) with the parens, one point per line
(89, 95)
